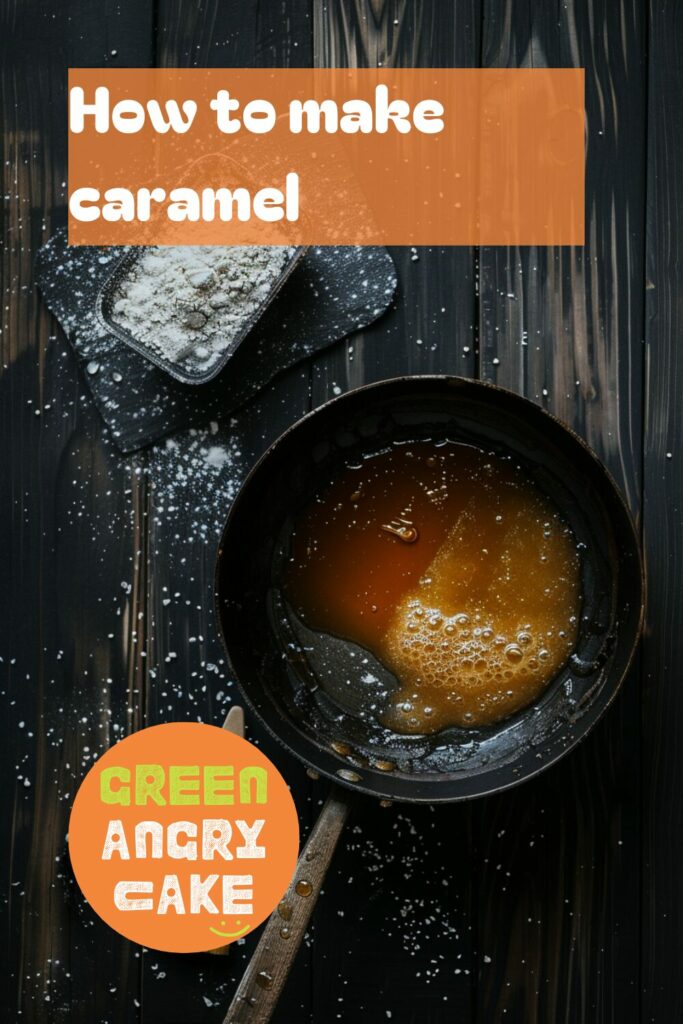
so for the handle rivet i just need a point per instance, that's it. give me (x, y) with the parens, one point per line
(284, 909)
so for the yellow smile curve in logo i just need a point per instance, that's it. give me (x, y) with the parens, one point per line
(230, 935)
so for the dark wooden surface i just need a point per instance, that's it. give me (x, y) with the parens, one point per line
(558, 903)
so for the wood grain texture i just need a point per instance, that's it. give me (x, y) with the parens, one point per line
(432, 328)
(564, 327)
(663, 527)
(68, 672)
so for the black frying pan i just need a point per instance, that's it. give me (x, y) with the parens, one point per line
(293, 692)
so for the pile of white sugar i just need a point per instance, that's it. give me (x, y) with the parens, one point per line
(189, 304)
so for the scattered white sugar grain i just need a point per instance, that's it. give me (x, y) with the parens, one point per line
(188, 304)
(194, 476)
(216, 456)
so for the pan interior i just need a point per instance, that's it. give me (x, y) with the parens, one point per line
(314, 691)
(441, 563)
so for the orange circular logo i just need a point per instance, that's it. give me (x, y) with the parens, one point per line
(183, 837)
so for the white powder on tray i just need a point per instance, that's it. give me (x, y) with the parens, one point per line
(188, 304)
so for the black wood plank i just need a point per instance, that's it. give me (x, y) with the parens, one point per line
(662, 916)
(560, 856)
(72, 510)
(432, 328)
(393, 941)
(187, 502)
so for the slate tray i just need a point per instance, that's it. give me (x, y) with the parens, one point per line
(332, 292)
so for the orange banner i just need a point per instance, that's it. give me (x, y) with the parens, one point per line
(326, 157)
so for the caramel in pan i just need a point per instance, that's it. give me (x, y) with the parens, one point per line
(453, 569)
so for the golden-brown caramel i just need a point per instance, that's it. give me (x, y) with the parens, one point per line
(453, 569)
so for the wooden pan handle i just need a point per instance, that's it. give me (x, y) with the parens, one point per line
(234, 723)
(268, 969)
